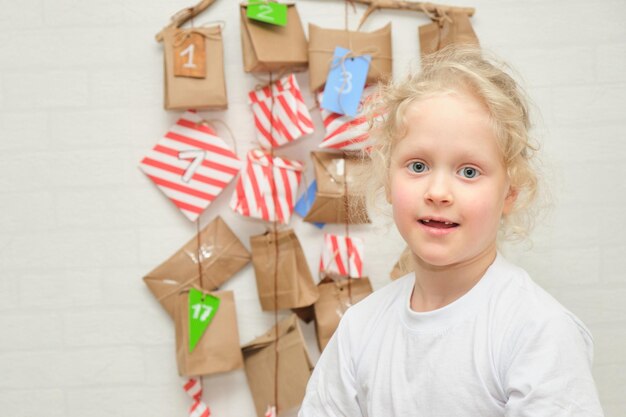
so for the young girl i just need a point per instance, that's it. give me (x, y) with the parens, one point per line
(468, 333)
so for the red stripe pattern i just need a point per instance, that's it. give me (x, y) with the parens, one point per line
(345, 132)
(280, 114)
(193, 387)
(342, 255)
(191, 164)
(267, 187)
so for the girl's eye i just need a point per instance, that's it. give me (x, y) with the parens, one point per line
(418, 167)
(468, 172)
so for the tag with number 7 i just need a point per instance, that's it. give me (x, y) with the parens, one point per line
(268, 12)
(202, 308)
(345, 82)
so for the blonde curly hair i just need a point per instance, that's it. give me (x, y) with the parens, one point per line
(463, 68)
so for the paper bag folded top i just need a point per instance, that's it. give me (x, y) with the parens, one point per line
(189, 92)
(334, 172)
(221, 255)
(451, 28)
(269, 47)
(322, 43)
(218, 349)
(294, 286)
(336, 296)
(294, 366)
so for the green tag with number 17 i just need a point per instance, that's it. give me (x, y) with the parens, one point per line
(202, 308)
(268, 12)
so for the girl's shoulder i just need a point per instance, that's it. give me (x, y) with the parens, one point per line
(521, 306)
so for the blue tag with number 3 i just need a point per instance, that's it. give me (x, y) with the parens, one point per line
(345, 82)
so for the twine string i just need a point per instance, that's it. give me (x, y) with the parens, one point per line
(198, 244)
(276, 246)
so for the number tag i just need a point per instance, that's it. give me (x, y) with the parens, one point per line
(345, 83)
(190, 56)
(268, 12)
(198, 156)
(202, 309)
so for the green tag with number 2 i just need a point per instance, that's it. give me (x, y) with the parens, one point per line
(268, 12)
(202, 308)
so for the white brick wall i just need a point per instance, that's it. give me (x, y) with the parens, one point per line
(80, 104)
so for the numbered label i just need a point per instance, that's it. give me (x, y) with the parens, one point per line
(202, 309)
(188, 51)
(189, 55)
(345, 82)
(197, 157)
(268, 12)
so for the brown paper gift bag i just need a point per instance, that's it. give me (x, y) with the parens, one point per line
(336, 296)
(295, 286)
(404, 265)
(322, 43)
(332, 172)
(268, 47)
(222, 255)
(189, 92)
(294, 367)
(218, 349)
(448, 29)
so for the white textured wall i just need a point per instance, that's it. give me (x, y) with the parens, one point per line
(80, 104)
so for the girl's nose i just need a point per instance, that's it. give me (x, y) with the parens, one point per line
(438, 191)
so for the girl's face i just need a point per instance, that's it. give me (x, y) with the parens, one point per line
(448, 185)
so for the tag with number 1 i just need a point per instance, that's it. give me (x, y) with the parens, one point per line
(268, 12)
(189, 56)
(345, 82)
(202, 308)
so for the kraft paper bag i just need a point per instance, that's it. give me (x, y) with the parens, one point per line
(334, 172)
(404, 265)
(336, 296)
(322, 43)
(294, 367)
(268, 47)
(195, 93)
(218, 349)
(221, 255)
(295, 286)
(450, 28)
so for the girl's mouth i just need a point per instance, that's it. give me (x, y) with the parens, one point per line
(438, 224)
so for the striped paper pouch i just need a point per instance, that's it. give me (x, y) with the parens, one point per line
(280, 114)
(345, 132)
(267, 187)
(342, 255)
(191, 164)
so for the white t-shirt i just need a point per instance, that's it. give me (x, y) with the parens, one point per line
(505, 348)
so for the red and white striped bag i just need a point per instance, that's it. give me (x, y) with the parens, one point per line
(267, 187)
(345, 132)
(342, 255)
(191, 164)
(284, 120)
(193, 387)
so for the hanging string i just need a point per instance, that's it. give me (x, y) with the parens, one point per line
(276, 246)
(199, 252)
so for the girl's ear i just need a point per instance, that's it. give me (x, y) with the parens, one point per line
(509, 200)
